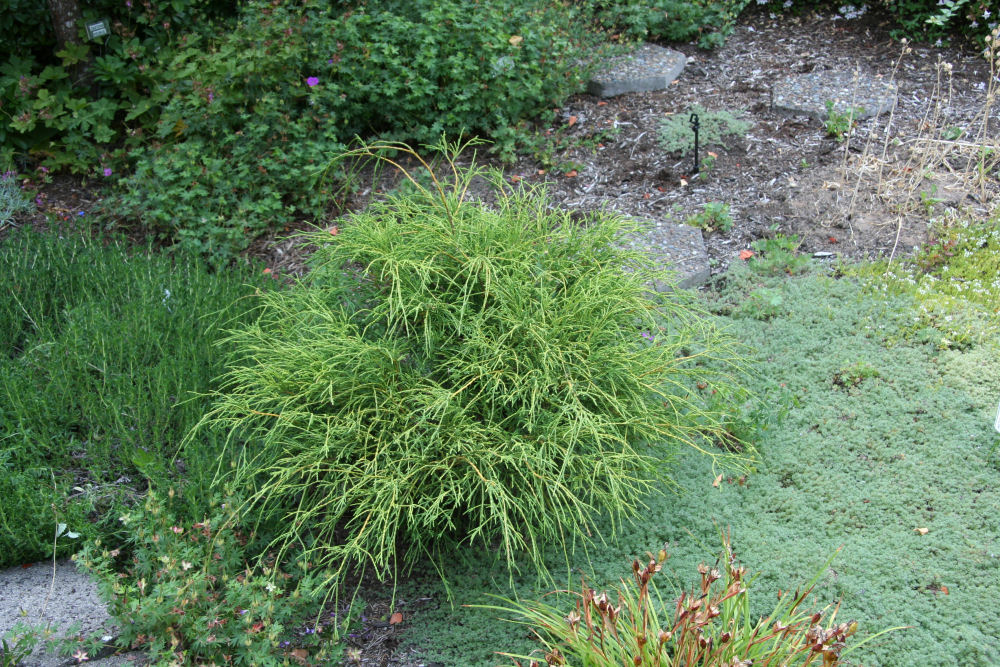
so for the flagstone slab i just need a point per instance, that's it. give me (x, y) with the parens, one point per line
(650, 67)
(680, 248)
(807, 94)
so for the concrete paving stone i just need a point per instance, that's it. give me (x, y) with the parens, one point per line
(31, 595)
(650, 67)
(678, 247)
(807, 94)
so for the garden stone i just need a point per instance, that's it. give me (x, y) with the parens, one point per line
(808, 94)
(650, 67)
(680, 248)
(73, 599)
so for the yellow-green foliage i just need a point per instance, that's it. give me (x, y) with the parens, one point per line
(453, 373)
(955, 279)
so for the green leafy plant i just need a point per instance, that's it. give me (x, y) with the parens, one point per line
(778, 254)
(707, 165)
(714, 217)
(839, 124)
(764, 303)
(13, 199)
(715, 129)
(709, 625)
(456, 374)
(929, 201)
(250, 117)
(707, 21)
(14, 652)
(851, 376)
(184, 592)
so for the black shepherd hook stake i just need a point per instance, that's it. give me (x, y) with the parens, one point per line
(695, 124)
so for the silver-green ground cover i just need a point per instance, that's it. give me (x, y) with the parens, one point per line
(859, 467)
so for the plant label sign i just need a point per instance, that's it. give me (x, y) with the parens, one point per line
(97, 29)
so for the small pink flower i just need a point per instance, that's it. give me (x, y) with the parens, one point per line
(107, 171)
(177, 529)
(312, 81)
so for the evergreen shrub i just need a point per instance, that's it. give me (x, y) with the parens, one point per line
(452, 373)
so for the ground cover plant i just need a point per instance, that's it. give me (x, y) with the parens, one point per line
(101, 347)
(886, 451)
(456, 374)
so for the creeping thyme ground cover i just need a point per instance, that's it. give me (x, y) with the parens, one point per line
(886, 452)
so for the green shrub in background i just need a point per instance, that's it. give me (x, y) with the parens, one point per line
(707, 21)
(75, 108)
(250, 116)
(924, 20)
(453, 374)
(100, 351)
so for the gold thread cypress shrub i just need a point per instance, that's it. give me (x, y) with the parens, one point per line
(451, 373)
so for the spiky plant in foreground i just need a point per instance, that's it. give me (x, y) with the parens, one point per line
(709, 626)
(452, 373)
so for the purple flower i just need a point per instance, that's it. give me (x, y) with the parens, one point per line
(81, 213)
(312, 81)
(107, 171)
(647, 335)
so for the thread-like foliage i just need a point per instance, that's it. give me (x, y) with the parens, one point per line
(456, 373)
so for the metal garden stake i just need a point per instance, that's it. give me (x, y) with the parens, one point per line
(695, 124)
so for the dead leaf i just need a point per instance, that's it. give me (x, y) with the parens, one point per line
(746, 254)
(515, 40)
(683, 182)
(711, 154)
(572, 121)
(944, 589)
(602, 103)
(922, 531)
(396, 618)
(515, 179)
(717, 480)
(334, 230)
(571, 173)
(300, 655)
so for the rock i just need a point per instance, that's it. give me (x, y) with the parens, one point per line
(650, 67)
